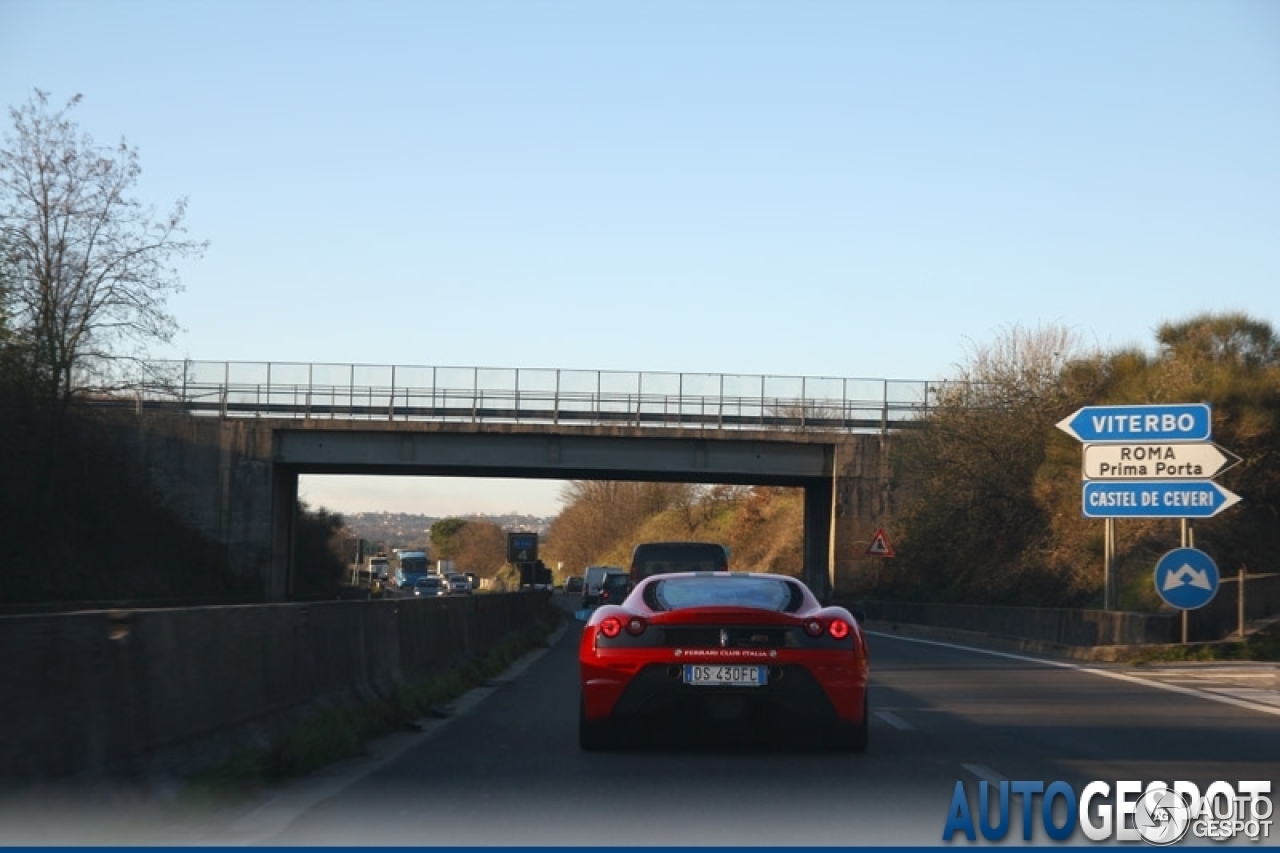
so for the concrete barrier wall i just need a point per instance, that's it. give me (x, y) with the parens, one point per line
(1052, 625)
(1215, 621)
(1220, 617)
(116, 693)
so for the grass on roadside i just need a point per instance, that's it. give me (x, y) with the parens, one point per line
(1262, 645)
(340, 732)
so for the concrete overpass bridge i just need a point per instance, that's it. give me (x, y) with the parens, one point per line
(226, 442)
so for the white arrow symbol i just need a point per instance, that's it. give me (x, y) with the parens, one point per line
(1186, 576)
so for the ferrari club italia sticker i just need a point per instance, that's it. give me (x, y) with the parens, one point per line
(721, 654)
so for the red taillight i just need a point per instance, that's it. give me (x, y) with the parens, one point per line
(611, 627)
(636, 626)
(837, 628)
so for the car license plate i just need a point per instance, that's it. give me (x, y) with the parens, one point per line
(750, 676)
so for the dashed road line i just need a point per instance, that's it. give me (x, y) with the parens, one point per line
(894, 720)
(985, 774)
(1250, 694)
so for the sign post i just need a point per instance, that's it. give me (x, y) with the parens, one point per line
(522, 547)
(1153, 461)
(522, 552)
(1186, 579)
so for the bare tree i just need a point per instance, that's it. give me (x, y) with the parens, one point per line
(88, 265)
(977, 525)
(7, 336)
(1021, 368)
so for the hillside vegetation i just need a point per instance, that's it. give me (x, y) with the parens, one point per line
(601, 522)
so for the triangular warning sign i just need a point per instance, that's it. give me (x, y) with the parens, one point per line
(880, 546)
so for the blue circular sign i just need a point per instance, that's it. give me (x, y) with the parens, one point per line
(1187, 578)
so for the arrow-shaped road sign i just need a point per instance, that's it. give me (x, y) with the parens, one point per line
(1156, 499)
(1186, 578)
(1175, 422)
(1198, 460)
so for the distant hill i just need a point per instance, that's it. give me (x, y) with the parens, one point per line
(402, 529)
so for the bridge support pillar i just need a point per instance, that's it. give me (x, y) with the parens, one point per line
(284, 503)
(817, 540)
(862, 492)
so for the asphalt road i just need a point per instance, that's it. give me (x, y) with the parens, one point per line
(506, 769)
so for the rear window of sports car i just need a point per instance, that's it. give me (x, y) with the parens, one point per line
(760, 593)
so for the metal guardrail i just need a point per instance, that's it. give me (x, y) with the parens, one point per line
(231, 389)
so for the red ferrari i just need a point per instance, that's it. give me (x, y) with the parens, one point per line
(722, 649)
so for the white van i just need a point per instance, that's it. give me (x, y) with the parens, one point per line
(591, 580)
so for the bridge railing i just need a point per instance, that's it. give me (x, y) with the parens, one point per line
(533, 395)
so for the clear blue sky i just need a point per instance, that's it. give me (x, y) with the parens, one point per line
(858, 189)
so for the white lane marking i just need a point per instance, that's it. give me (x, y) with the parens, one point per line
(1201, 675)
(1119, 676)
(985, 773)
(1252, 694)
(894, 720)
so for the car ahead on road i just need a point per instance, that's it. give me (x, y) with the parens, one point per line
(615, 587)
(698, 651)
(573, 584)
(591, 581)
(653, 558)
(429, 586)
(459, 584)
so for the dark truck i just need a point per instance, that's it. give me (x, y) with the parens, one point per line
(656, 558)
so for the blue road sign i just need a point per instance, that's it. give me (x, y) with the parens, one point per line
(1176, 422)
(1186, 578)
(1155, 499)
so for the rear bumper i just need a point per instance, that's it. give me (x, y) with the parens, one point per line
(822, 693)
